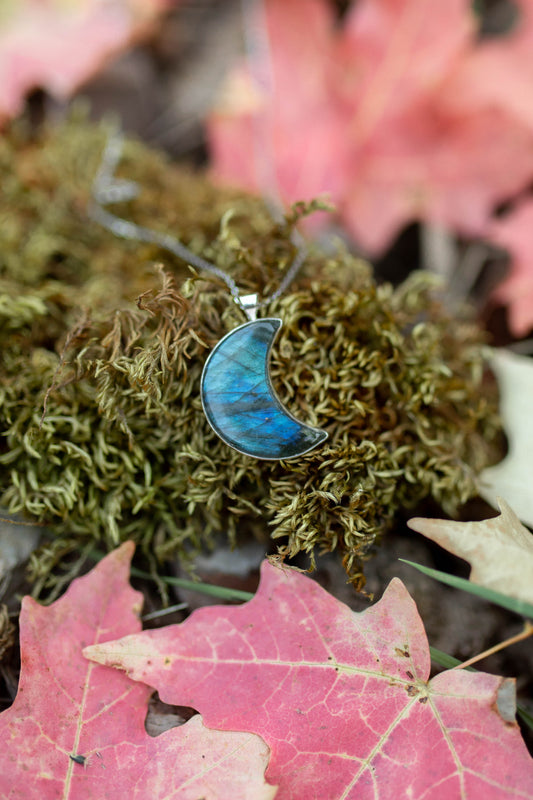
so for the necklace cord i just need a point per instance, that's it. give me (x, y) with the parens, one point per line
(107, 188)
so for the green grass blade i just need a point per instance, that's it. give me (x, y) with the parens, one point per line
(511, 603)
(444, 660)
(221, 592)
(525, 716)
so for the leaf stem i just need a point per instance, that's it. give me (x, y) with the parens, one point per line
(524, 634)
(23, 523)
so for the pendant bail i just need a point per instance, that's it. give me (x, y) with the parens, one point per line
(249, 305)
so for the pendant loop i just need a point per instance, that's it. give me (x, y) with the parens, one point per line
(249, 305)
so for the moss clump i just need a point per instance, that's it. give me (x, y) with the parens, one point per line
(113, 346)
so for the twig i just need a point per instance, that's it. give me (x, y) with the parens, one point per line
(525, 634)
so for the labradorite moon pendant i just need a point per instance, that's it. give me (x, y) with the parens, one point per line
(237, 393)
(240, 402)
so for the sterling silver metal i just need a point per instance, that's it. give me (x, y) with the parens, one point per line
(107, 188)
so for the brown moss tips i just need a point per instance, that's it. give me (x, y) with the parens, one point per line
(114, 346)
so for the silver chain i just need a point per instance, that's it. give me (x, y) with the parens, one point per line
(107, 188)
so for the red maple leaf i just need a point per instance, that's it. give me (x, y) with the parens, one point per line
(76, 730)
(363, 112)
(289, 113)
(343, 699)
(498, 72)
(514, 233)
(57, 46)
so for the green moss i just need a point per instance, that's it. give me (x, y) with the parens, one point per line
(112, 344)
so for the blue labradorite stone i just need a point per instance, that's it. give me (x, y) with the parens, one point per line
(240, 402)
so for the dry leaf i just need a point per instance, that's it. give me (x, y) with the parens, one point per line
(500, 550)
(512, 478)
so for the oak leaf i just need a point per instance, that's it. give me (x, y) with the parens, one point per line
(500, 549)
(342, 698)
(76, 730)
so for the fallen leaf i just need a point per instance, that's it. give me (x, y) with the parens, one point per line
(512, 478)
(361, 110)
(56, 46)
(499, 550)
(447, 170)
(76, 730)
(342, 698)
(498, 72)
(513, 233)
(285, 110)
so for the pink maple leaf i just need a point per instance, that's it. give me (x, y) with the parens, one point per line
(497, 73)
(514, 233)
(289, 112)
(76, 730)
(57, 46)
(343, 699)
(363, 113)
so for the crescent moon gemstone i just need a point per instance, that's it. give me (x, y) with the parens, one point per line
(240, 402)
